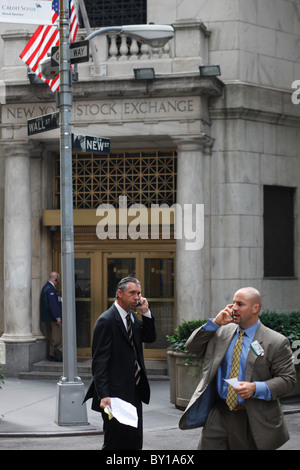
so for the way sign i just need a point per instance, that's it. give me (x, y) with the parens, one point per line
(79, 52)
(47, 122)
(86, 143)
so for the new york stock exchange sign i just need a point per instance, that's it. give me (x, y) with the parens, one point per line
(108, 110)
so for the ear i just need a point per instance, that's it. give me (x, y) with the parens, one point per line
(256, 309)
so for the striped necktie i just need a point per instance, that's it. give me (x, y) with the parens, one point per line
(232, 397)
(130, 335)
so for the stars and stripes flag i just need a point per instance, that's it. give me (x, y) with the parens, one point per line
(46, 37)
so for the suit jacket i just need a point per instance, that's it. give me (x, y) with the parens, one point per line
(275, 367)
(50, 304)
(113, 358)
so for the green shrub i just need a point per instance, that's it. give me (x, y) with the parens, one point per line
(288, 324)
(182, 333)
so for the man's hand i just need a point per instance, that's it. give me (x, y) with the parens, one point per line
(143, 306)
(224, 316)
(104, 402)
(245, 390)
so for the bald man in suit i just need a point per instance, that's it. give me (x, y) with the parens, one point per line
(266, 373)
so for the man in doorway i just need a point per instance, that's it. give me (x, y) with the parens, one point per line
(236, 345)
(118, 364)
(51, 314)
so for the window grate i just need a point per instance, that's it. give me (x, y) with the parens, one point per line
(116, 12)
(144, 177)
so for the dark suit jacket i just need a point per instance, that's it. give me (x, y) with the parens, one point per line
(50, 305)
(276, 368)
(113, 358)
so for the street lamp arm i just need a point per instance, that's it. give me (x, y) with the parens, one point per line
(154, 35)
(109, 29)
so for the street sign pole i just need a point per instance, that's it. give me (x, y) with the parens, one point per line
(70, 392)
(70, 410)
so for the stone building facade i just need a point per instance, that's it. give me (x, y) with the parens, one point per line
(225, 147)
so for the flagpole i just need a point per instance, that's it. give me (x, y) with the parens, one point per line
(70, 392)
(88, 32)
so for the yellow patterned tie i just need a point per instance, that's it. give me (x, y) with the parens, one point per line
(232, 397)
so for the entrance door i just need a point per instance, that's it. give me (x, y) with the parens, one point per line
(97, 274)
(156, 274)
(158, 287)
(84, 305)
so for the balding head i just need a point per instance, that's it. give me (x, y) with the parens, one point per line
(252, 294)
(54, 277)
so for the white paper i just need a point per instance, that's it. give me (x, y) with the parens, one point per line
(233, 382)
(124, 412)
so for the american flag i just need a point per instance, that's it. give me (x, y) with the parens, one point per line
(46, 37)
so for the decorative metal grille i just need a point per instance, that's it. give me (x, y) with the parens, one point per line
(144, 177)
(116, 12)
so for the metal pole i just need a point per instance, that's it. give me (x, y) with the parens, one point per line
(88, 32)
(70, 391)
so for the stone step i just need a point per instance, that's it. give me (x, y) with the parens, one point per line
(50, 370)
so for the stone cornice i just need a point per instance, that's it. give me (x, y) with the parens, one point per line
(250, 102)
(185, 85)
(254, 115)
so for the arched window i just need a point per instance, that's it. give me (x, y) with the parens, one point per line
(116, 12)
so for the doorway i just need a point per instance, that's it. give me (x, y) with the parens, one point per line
(97, 274)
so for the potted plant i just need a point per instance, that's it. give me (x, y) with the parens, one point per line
(184, 368)
(288, 324)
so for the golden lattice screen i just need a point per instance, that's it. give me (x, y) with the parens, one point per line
(147, 177)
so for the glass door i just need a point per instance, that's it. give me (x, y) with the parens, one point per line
(83, 296)
(155, 271)
(117, 266)
(159, 288)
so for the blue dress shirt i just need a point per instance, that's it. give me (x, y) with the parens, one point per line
(262, 391)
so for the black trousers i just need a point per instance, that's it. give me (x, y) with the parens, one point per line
(119, 436)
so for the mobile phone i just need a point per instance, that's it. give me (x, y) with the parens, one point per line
(138, 302)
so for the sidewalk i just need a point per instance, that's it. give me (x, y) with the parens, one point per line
(29, 409)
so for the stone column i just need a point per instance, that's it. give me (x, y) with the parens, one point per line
(193, 291)
(17, 259)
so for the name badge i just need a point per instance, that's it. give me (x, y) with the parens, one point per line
(257, 349)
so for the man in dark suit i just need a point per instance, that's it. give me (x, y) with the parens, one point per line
(51, 314)
(265, 373)
(118, 365)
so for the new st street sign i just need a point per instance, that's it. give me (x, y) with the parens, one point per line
(87, 143)
(79, 52)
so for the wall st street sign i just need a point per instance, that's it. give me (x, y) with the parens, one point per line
(47, 122)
